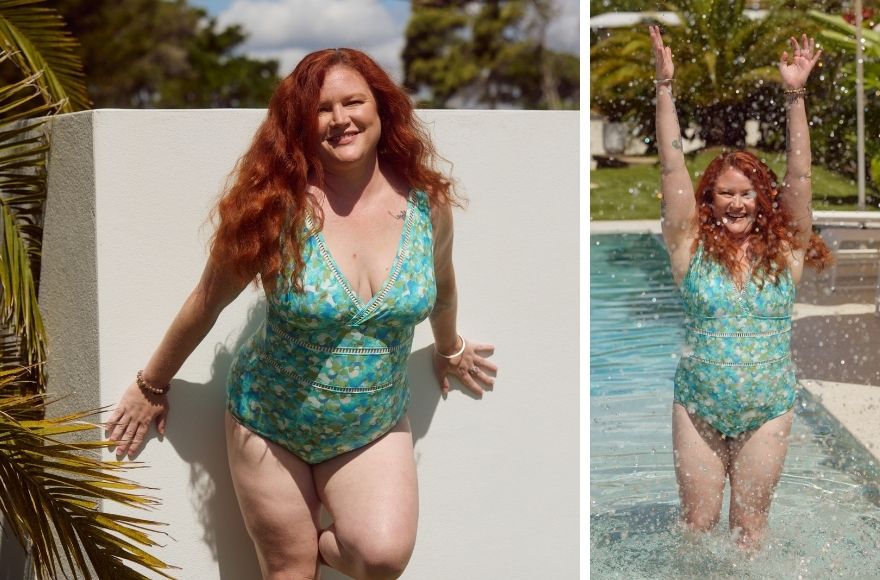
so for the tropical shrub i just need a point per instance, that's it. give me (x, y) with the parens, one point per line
(51, 487)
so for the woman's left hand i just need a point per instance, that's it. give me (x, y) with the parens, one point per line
(804, 58)
(471, 369)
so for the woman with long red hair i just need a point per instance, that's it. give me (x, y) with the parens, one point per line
(737, 246)
(337, 211)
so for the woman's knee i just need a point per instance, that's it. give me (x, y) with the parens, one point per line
(748, 515)
(700, 519)
(380, 556)
(701, 500)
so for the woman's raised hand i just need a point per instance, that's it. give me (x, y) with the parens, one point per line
(129, 424)
(664, 68)
(804, 58)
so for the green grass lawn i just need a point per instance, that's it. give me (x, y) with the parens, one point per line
(632, 193)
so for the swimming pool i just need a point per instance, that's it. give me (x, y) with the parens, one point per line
(825, 519)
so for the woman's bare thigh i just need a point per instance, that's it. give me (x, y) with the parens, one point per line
(278, 501)
(701, 460)
(372, 495)
(756, 462)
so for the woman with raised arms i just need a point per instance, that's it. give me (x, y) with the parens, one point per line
(737, 244)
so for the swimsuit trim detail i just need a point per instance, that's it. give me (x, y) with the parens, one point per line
(398, 266)
(745, 317)
(399, 256)
(325, 254)
(732, 364)
(324, 387)
(336, 350)
(737, 334)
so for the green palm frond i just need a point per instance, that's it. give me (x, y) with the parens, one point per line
(846, 32)
(52, 489)
(724, 67)
(18, 304)
(839, 35)
(23, 151)
(35, 37)
(619, 62)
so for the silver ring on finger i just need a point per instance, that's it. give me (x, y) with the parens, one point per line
(474, 370)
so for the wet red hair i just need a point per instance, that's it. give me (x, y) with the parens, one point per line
(270, 182)
(774, 233)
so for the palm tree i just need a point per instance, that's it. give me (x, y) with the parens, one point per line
(725, 68)
(839, 36)
(50, 488)
(50, 494)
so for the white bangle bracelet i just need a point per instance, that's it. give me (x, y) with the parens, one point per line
(461, 350)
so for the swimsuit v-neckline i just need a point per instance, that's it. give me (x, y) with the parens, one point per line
(739, 292)
(747, 279)
(393, 272)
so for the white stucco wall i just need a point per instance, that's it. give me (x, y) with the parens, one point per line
(125, 242)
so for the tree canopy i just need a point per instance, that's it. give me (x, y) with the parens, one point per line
(491, 54)
(839, 37)
(50, 488)
(726, 74)
(725, 68)
(164, 53)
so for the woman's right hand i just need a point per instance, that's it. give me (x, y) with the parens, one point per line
(128, 425)
(664, 68)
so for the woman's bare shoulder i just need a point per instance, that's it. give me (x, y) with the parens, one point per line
(681, 253)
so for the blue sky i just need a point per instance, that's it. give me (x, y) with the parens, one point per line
(287, 30)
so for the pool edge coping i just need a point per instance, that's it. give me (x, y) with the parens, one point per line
(625, 226)
(847, 403)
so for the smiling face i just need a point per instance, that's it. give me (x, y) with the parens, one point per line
(348, 120)
(734, 202)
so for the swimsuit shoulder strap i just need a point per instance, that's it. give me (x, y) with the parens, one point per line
(421, 200)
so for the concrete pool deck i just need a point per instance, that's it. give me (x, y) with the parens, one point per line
(834, 343)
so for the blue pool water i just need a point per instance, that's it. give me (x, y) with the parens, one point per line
(825, 518)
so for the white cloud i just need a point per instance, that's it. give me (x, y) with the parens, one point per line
(289, 29)
(563, 33)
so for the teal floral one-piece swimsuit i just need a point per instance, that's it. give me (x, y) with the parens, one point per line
(326, 372)
(738, 373)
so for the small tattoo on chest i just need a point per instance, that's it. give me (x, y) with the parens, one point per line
(398, 216)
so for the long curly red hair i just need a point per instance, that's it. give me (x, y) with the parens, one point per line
(270, 183)
(774, 232)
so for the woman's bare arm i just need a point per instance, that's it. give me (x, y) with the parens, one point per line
(129, 423)
(677, 204)
(796, 191)
(443, 318)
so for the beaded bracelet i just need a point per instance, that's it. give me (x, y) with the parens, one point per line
(662, 81)
(800, 91)
(145, 386)
(461, 350)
